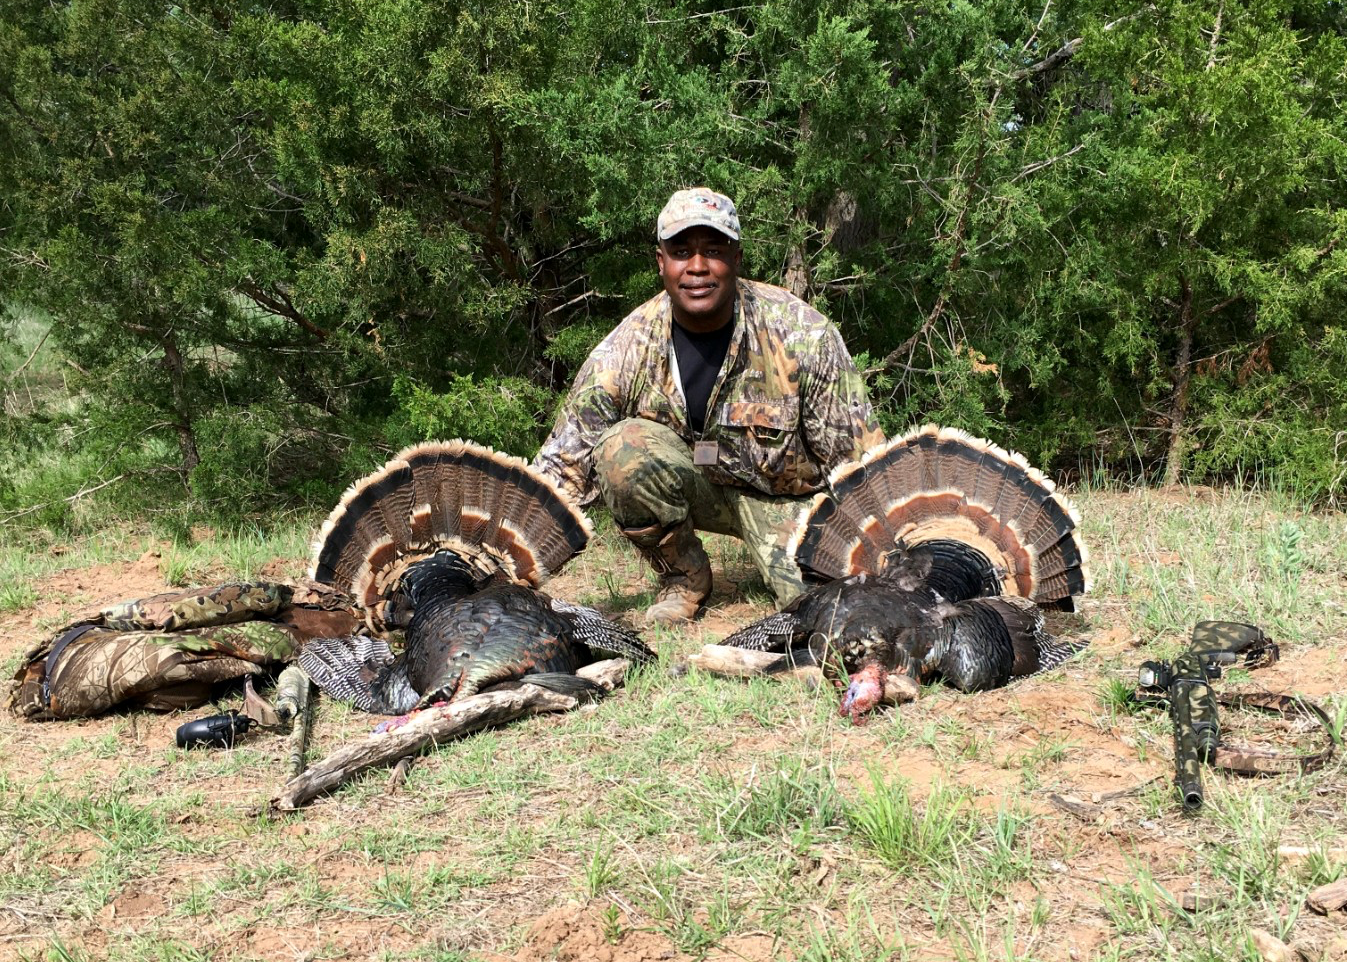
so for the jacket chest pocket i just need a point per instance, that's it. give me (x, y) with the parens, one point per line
(763, 431)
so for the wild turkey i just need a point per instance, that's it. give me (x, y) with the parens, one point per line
(940, 550)
(451, 541)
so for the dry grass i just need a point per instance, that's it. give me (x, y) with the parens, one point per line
(692, 817)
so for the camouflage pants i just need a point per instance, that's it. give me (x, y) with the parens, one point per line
(646, 476)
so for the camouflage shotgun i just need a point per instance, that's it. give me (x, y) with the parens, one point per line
(1185, 683)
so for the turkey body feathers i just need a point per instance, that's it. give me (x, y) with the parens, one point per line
(451, 541)
(937, 551)
(458, 646)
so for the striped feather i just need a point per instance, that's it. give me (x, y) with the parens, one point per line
(510, 522)
(772, 633)
(942, 484)
(601, 635)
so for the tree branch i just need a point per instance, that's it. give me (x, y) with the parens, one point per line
(895, 357)
(434, 726)
(1062, 54)
(70, 500)
(282, 306)
(1038, 165)
(1068, 50)
(1216, 36)
(19, 370)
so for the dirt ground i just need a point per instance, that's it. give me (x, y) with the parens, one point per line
(1112, 769)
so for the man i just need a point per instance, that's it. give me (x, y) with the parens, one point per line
(718, 405)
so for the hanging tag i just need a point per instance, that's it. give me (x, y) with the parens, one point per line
(705, 453)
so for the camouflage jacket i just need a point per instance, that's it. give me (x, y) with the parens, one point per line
(788, 405)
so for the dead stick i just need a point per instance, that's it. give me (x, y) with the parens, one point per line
(736, 662)
(399, 775)
(436, 725)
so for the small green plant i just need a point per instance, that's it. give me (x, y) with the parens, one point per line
(858, 941)
(1141, 905)
(902, 835)
(176, 567)
(58, 951)
(1337, 717)
(697, 932)
(1115, 695)
(1283, 556)
(794, 796)
(396, 891)
(17, 597)
(1008, 855)
(600, 871)
(612, 924)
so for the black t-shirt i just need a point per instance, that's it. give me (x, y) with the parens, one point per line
(699, 359)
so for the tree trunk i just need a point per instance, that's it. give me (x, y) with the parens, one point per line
(795, 275)
(182, 412)
(1178, 411)
(796, 278)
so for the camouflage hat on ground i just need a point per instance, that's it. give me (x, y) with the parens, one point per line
(698, 207)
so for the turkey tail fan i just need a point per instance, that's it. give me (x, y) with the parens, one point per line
(942, 485)
(829, 544)
(481, 497)
(493, 510)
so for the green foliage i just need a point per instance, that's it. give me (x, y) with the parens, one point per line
(906, 837)
(796, 800)
(1107, 239)
(501, 412)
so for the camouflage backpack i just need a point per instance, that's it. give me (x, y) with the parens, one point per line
(168, 651)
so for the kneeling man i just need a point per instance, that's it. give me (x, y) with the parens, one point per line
(719, 405)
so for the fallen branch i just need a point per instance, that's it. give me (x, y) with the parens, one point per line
(743, 663)
(435, 725)
(69, 500)
(19, 370)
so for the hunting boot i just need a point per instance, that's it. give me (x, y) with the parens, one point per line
(684, 570)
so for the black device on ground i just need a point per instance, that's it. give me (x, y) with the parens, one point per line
(214, 731)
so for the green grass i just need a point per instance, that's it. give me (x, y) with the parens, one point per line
(699, 813)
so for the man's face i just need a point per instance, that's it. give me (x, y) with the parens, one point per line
(699, 267)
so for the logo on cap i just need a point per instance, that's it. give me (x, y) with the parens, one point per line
(698, 207)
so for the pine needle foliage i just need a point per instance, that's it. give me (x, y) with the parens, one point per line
(270, 239)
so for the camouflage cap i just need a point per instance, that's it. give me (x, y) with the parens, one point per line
(698, 207)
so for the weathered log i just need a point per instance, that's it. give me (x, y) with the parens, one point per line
(435, 725)
(1270, 948)
(745, 663)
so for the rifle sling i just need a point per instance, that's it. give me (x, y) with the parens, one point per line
(1259, 761)
(1262, 761)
